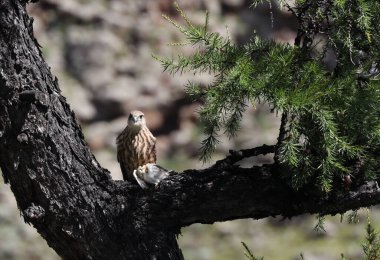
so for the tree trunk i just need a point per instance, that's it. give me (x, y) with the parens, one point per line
(59, 186)
(82, 213)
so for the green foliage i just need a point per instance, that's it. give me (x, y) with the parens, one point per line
(371, 246)
(331, 124)
(353, 217)
(249, 254)
(320, 226)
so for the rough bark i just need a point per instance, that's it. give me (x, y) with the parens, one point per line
(82, 213)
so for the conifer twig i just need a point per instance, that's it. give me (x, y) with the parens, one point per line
(236, 156)
(281, 135)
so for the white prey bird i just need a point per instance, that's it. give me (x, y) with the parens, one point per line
(150, 173)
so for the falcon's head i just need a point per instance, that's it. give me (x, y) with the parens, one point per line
(136, 119)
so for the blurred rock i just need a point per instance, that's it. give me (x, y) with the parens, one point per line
(234, 3)
(89, 56)
(154, 119)
(80, 99)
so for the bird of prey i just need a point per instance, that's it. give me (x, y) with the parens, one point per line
(136, 146)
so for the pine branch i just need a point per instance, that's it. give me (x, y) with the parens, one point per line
(330, 118)
(236, 156)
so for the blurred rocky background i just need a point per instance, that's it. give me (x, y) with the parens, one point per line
(101, 52)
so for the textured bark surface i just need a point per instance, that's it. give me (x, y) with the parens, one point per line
(82, 213)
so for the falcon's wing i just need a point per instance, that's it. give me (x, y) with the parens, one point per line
(154, 152)
(120, 159)
(122, 154)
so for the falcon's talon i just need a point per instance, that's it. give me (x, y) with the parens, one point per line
(141, 183)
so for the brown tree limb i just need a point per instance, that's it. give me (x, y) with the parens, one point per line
(82, 213)
(220, 194)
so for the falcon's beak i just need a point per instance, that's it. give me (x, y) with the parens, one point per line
(135, 119)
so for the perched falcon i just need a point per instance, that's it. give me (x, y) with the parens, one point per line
(136, 146)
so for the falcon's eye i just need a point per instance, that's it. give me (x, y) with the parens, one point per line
(141, 116)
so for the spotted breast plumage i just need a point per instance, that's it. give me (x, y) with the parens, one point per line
(136, 145)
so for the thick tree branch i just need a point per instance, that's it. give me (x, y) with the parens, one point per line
(219, 194)
(81, 212)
